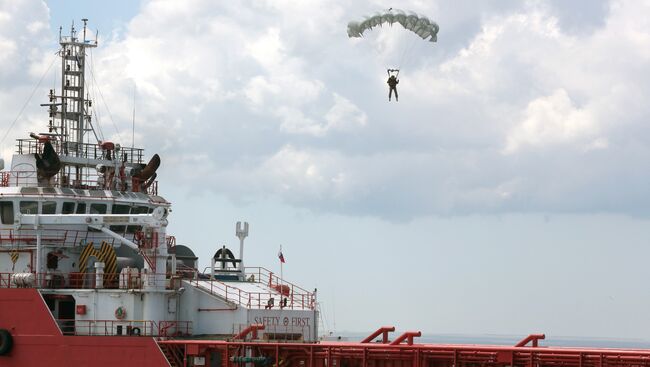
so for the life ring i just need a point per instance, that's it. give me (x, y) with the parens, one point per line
(135, 331)
(6, 342)
(120, 313)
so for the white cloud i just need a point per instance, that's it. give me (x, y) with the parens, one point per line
(272, 99)
(551, 120)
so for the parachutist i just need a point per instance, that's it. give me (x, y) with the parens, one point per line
(392, 83)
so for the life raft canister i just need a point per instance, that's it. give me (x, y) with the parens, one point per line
(120, 313)
(6, 342)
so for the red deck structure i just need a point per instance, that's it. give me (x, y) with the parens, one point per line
(37, 340)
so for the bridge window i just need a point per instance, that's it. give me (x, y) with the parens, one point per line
(81, 208)
(29, 207)
(7, 212)
(68, 208)
(49, 207)
(120, 209)
(97, 208)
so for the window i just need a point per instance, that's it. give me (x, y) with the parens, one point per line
(140, 210)
(137, 210)
(68, 208)
(97, 208)
(81, 208)
(29, 190)
(29, 207)
(49, 207)
(49, 190)
(120, 209)
(7, 212)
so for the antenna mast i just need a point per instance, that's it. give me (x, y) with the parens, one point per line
(74, 116)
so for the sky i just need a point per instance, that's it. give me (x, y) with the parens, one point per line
(505, 193)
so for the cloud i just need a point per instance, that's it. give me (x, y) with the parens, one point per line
(517, 108)
(551, 120)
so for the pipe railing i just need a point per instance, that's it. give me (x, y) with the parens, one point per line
(256, 300)
(90, 181)
(124, 327)
(89, 280)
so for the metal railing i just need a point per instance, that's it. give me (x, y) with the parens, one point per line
(77, 150)
(288, 295)
(90, 181)
(19, 238)
(124, 327)
(90, 280)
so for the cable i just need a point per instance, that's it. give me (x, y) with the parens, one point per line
(27, 102)
(92, 73)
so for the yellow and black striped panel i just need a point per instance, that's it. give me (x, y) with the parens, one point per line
(105, 254)
(83, 257)
(108, 257)
(14, 256)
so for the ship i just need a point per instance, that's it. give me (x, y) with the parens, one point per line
(89, 275)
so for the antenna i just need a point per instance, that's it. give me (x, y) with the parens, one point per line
(133, 123)
(85, 20)
(241, 233)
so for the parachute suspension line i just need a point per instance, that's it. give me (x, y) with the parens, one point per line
(92, 73)
(28, 100)
(406, 53)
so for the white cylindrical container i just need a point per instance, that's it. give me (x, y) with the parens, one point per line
(99, 274)
(23, 280)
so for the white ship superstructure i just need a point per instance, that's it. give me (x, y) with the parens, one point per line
(81, 220)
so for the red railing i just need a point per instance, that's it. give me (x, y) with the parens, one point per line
(89, 181)
(325, 354)
(299, 295)
(124, 327)
(78, 280)
(293, 331)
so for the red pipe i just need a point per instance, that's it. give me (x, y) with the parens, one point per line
(252, 329)
(409, 335)
(532, 337)
(382, 330)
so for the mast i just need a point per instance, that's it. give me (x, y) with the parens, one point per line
(74, 117)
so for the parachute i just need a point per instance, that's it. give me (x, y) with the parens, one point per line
(417, 24)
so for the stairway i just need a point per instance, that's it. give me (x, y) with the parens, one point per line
(174, 354)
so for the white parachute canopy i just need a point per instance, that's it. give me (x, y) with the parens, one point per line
(417, 24)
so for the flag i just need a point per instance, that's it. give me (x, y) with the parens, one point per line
(280, 256)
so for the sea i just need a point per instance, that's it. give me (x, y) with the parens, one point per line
(487, 339)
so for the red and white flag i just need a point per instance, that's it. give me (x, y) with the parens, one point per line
(280, 256)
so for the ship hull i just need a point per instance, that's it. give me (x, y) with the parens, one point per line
(38, 341)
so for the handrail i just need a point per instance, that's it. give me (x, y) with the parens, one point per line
(162, 328)
(253, 299)
(90, 181)
(62, 237)
(81, 280)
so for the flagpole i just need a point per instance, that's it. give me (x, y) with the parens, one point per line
(281, 273)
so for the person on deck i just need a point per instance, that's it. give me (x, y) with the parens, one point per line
(392, 84)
